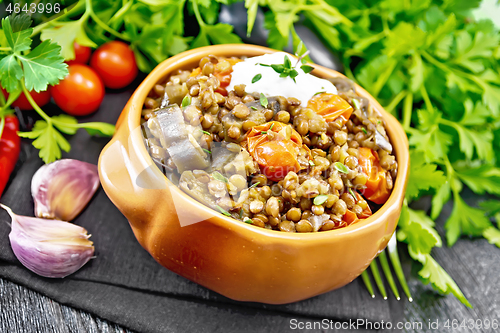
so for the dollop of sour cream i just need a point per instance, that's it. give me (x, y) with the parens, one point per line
(271, 84)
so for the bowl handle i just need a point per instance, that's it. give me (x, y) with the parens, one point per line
(128, 176)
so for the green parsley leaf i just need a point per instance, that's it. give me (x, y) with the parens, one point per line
(251, 6)
(433, 273)
(481, 179)
(492, 234)
(205, 132)
(217, 175)
(256, 78)
(341, 167)
(223, 211)
(263, 100)
(249, 221)
(43, 66)
(12, 73)
(439, 199)
(186, 101)
(307, 69)
(465, 220)
(423, 176)
(418, 232)
(65, 34)
(254, 185)
(320, 199)
(311, 163)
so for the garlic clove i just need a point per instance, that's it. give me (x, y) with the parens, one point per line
(50, 248)
(63, 188)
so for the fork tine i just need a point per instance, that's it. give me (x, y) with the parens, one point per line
(388, 274)
(378, 279)
(368, 284)
(396, 264)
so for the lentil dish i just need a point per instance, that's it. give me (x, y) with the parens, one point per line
(317, 163)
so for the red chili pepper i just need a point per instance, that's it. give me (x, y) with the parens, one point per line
(10, 147)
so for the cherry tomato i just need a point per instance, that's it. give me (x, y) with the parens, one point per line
(276, 147)
(376, 185)
(41, 98)
(330, 106)
(115, 64)
(81, 92)
(82, 54)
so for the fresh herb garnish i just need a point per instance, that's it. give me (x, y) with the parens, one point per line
(256, 78)
(271, 127)
(356, 104)
(307, 69)
(223, 211)
(353, 195)
(247, 220)
(263, 100)
(241, 213)
(254, 185)
(311, 163)
(186, 101)
(205, 132)
(319, 92)
(254, 108)
(217, 175)
(285, 69)
(364, 130)
(341, 167)
(320, 199)
(206, 151)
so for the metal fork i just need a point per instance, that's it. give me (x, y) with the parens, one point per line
(396, 265)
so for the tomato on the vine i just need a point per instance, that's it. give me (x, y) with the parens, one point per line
(115, 63)
(81, 92)
(41, 98)
(82, 54)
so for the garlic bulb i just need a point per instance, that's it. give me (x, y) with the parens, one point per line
(63, 188)
(49, 248)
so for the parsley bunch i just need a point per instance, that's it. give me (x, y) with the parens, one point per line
(437, 69)
(24, 70)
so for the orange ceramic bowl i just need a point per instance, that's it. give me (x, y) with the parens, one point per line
(237, 260)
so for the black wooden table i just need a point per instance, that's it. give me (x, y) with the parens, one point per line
(474, 264)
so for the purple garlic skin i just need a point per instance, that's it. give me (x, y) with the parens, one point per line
(63, 188)
(50, 248)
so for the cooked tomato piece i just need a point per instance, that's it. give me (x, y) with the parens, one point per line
(275, 146)
(330, 106)
(376, 185)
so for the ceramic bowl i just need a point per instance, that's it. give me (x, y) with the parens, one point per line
(237, 260)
